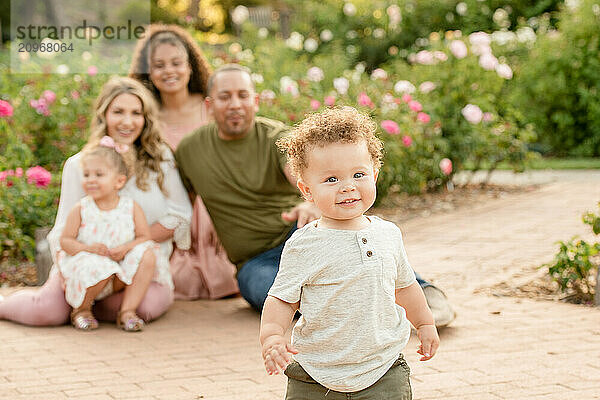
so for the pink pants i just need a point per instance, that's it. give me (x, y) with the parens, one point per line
(47, 306)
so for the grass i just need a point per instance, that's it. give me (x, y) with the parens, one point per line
(554, 163)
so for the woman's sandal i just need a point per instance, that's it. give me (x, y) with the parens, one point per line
(129, 321)
(84, 320)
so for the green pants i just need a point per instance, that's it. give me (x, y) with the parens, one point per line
(394, 385)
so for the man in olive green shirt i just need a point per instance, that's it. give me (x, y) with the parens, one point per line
(234, 165)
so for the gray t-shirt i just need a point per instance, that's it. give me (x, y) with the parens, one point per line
(351, 330)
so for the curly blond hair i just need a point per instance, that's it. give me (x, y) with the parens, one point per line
(334, 125)
(148, 147)
(157, 34)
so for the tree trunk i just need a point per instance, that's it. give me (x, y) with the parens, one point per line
(193, 9)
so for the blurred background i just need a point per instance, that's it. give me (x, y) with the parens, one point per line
(453, 85)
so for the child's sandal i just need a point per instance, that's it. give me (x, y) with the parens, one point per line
(129, 321)
(83, 320)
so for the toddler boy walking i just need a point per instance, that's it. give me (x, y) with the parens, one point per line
(347, 274)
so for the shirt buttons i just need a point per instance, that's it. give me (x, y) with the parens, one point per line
(364, 240)
(369, 253)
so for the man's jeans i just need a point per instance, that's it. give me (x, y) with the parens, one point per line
(258, 274)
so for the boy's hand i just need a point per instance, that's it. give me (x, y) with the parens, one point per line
(276, 354)
(430, 341)
(98, 248)
(118, 253)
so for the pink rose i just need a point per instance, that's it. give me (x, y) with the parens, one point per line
(18, 172)
(329, 101)
(488, 116)
(365, 100)
(267, 95)
(407, 98)
(458, 48)
(315, 74)
(504, 71)
(341, 85)
(74, 94)
(49, 96)
(472, 113)
(390, 127)
(424, 118)
(480, 38)
(446, 166)
(39, 176)
(404, 87)
(379, 73)
(5, 174)
(315, 104)
(488, 61)
(480, 43)
(6, 110)
(440, 55)
(92, 70)
(406, 141)
(426, 87)
(415, 106)
(425, 57)
(40, 105)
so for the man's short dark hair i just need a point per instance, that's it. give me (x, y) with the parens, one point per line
(225, 68)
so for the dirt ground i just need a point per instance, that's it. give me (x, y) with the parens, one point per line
(531, 282)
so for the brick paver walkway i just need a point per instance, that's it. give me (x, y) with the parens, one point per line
(498, 347)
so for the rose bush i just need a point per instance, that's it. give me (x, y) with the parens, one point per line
(27, 202)
(375, 32)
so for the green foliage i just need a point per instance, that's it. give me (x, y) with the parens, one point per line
(459, 82)
(24, 207)
(372, 33)
(30, 137)
(13, 152)
(575, 265)
(562, 78)
(573, 268)
(592, 220)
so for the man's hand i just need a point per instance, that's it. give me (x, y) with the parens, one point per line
(303, 213)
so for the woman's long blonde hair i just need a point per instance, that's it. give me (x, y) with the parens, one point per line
(148, 147)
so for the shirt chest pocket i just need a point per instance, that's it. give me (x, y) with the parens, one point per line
(388, 274)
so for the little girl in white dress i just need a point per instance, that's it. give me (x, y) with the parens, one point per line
(105, 240)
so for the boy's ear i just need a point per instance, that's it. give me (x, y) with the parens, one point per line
(304, 189)
(376, 173)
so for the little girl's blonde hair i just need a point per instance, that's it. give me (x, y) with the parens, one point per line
(120, 162)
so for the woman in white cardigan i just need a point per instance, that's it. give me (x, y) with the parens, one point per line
(127, 112)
